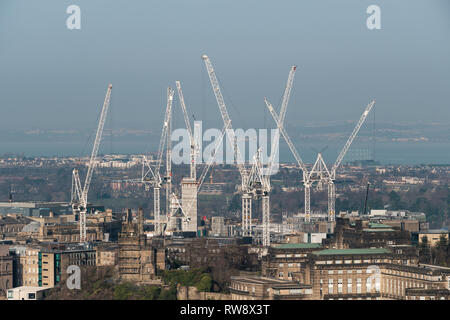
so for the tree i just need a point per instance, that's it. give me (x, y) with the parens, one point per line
(424, 250)
(205, 283)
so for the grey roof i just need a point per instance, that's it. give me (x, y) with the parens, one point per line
(32, 227)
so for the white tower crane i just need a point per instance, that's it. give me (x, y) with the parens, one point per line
(259, 181)
(319, 171)
(259, 184)
(79, 194)
(153, 176)
(194, 147)
(306, 181)
(244, 172)
(337, 163)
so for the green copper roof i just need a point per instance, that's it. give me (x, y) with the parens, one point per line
(379, 230)
(297, 245)
(351, 251)
(378, 225)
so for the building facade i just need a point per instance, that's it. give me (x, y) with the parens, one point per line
(263, 288)
(139, 258)
(370, 273)
(6, 270)
(189, 202)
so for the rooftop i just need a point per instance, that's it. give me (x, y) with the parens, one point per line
(374, 225)
(351, 251)
(434, 231)
(297, 246)
(262, 280)
(379, 230)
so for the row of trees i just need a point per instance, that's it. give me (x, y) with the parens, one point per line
(192, 278)
(99, 283)
(439, 254)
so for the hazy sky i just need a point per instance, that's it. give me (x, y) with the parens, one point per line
(54, 77)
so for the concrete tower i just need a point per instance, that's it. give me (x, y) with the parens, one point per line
(189, 203)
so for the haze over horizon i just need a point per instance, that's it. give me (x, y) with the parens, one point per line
(55, 77)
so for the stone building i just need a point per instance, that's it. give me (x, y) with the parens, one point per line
(192, 293)
(26, 268)
(53, 263)
(368, 273)
(365, 234)
(64, 229)
(107, 255)
(139, 258)
(11, 225)
(427, 294)
(208, 252)
(282, 260)
(433, 236)
(263, 288)
(218, 228)
(6, 270)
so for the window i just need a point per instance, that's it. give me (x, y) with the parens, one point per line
(368, 284)
(295, 291)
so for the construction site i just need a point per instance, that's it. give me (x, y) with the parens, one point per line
(177, 215)
(185, 246)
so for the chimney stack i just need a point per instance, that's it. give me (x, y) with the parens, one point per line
(141, 221)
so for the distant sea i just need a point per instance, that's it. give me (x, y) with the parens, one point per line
(409, 153)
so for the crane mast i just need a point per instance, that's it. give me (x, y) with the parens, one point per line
(168, 177)
(286, 137)
(265, 178)
(191, 135)
(332, 176)
(153, 177)
(351, 138)
(282, 113)
(246, 198)
(306, 181)
(79, 194)
(226, 118)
